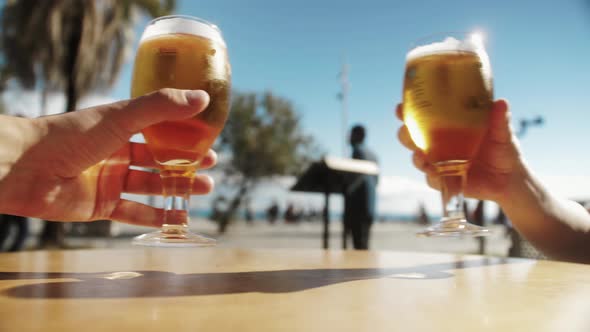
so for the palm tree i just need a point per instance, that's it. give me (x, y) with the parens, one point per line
(72, 46)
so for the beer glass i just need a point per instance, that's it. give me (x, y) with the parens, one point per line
(447, 101)
(181, 52)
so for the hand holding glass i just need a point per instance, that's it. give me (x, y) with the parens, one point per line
(447, 100)
(182, 52)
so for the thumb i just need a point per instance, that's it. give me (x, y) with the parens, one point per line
(91, 135)
(499, 126)
(131, 116)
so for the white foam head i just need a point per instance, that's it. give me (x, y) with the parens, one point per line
(473, 43)
(182, 24)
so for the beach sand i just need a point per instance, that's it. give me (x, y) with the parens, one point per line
(398, 236)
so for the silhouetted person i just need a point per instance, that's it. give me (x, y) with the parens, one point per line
(422, 218)
(20, 226)
(248, 214)
(52, 235)
(291, 215)
(272, 213)
(360, 195)
(478, 218)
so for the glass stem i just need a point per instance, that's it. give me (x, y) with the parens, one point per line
(452, 181)
(177, 184)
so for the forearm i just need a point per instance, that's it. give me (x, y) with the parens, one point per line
(17, 135)
(557, 226)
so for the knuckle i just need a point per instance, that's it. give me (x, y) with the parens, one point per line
(208, 183)
(168, 95)
(399, 111)
(165, 92)
(401, 134)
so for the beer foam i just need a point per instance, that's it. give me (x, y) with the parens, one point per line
(182, 24)
(449, 45)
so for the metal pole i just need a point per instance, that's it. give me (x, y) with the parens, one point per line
(326, 235)
(345, 87)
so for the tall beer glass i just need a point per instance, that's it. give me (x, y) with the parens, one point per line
(447, 100)
(185, 53)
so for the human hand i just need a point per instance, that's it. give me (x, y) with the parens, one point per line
(497, 163)
(75, 166)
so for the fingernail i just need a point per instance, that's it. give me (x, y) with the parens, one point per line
(195, 97)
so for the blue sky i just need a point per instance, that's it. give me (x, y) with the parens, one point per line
(539, 52)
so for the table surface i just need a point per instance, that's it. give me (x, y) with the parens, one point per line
(288, 290)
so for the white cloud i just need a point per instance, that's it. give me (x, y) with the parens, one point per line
(569, 186)
(401, 195)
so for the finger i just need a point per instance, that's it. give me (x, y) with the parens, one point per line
(403, 136)
(433, 180)
(209, 160)
(499, 125)
(141, 156)
(131, 116)
(138, 214)
(399, 111)
(103, 129)
(419, 161)
(162, 105)
(146, 183)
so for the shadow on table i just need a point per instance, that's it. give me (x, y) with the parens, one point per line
(136, 284)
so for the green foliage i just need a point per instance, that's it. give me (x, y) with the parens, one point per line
(153, 8)
(57, 43)
(264, 137)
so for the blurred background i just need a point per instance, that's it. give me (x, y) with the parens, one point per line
(313, 69)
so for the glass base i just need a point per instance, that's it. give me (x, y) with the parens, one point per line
(454, 228)
(173, 239)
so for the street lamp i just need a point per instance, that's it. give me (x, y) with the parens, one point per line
(525, 124)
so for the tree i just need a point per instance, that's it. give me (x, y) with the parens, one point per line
(263, 138)
(73, 46)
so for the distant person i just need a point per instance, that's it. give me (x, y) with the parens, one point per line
(559, 227)
(218, 207)
(272, 213)
(360, 195)
(18, 227)
(248, 214)
(478, 218)
(291, 214)
(423, 218)
(310, 214)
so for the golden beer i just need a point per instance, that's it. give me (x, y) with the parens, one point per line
(187, 53)
(184, 61)
(447, 103)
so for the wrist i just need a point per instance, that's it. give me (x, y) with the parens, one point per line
(522, 185)
(516, 183)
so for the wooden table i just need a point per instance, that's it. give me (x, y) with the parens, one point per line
(268, 290)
